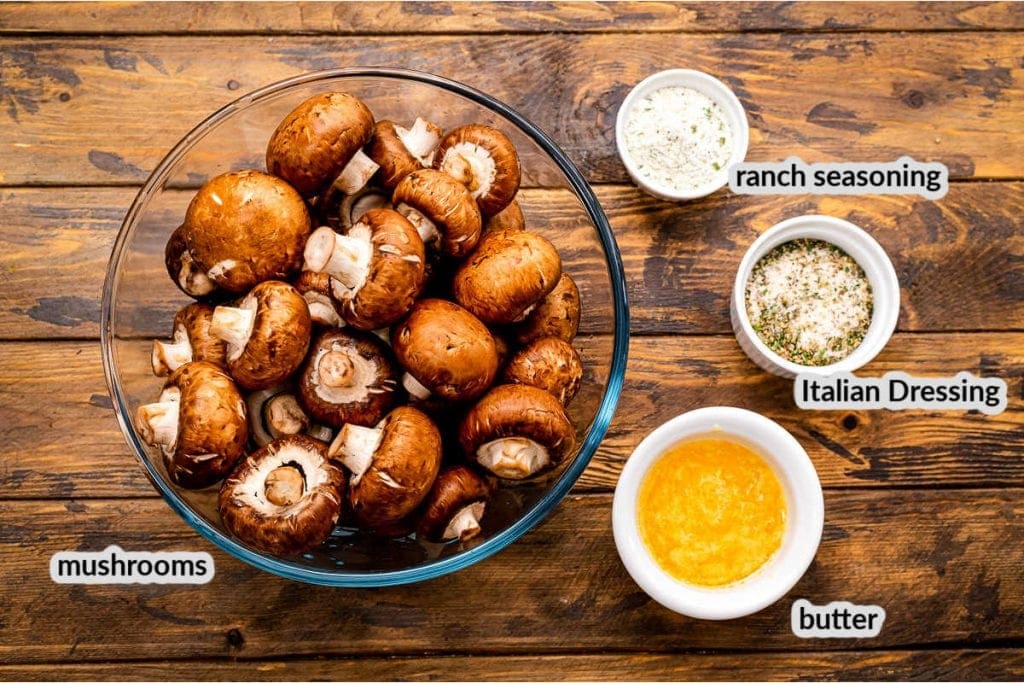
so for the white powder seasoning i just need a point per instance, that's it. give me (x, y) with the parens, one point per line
(679, 138)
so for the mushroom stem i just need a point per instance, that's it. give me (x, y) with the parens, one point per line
(284, 486)
(466, 522)
(354, 206)
(424, 226)
(355, 446)
(472, 165)
(322, 310)
(415, 387)
(169, 356)
(345, 258)
(513, 457)
(158, 421)
(337, 370)
(234, 326)
(283, 415)
(356, 174)
(192, 279)
(421, 140)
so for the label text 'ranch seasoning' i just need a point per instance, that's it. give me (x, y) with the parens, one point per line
(679, 138)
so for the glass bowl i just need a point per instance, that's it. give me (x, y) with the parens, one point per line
(139, 303)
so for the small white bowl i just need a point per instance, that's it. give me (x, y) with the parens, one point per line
(804, 523)
(862, 247)
(714, 89)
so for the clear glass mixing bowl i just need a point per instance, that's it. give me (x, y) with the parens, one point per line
(139, 303)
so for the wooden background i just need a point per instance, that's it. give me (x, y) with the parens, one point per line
(924, 510)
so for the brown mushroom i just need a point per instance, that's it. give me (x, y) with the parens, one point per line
(199, 423)
(442, 210)
(377, 269)
(285, 498)
(315, 288)
(320, 143)
(191, 340)
(267, 334)
(445, 351)
(400, 151)
(392, 466)
(509, 218)
(454, 507)
(348, 377)
(245, 227)
(354, 206)
(186, 274)
(516, 431)
(508, 274)
(557, 314)
(273, 413)
(549, 364)
(485, 161)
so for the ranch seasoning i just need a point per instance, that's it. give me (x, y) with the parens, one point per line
(809, 302)
(679, 138)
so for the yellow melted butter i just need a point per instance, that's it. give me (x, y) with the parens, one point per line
(711, 511)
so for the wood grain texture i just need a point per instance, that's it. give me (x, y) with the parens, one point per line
(945, 96)
(73, 448)
(960, 260)
(925, 665)
(944, 564)
(506, 17)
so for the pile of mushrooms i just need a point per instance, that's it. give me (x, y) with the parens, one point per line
(376, 336)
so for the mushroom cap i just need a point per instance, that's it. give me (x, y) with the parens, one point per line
(557, 314)
(212, 425)
(396, 272)
(317, 139)
(315, 288)
(509, 218)
(375, 380)
(550, 364)
(284, 529)
(403, 469)
(194, 321)
(446, 349)
(509, 272)
(280, 336)
(245, 227)
(518, 410)
(455, 488)
(447, 204)
(493, 184)
(391, 154)
(185, 273)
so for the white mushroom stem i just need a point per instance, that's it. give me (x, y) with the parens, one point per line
(284, 486)
(472, 165)
(336, 370)
(415, 388)
(355, 447)
(345, 258)
(466, 523)
(158, 421)
(421, 140)
(513, 457)
(285, 416)
(321, 309)
(234, 326)
(356, 173)
(169, 356)
(424, 226)
(354, 207)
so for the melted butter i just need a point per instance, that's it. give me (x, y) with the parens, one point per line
(711, 511)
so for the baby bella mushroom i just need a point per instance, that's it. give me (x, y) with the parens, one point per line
(557, 314)
(509, 273)
(191, 340)
(267, 334)
(400, 151)
(188, 275)
(509, 218)
(393, 465)
(320, 143)
(445, 351)
(549, 364)
(442, 210)
(285, 498)
(273, 413)
(244, 227)
(315, 288)
(348, 377)
(516, 431)
(199, 423)
(485, 161)
(455, 505)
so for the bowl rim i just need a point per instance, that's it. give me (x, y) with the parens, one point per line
(544, 505)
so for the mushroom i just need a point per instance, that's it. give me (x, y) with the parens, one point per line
(516, 431)
(191, 340)
(285, 498)
(245, 227)
(267, 334)
(392, 465)
(188, 275)
(400, 151)
(199, 424)
(441, 208)
(455, 505)
(485, 161)
(557, 314)
(273, 413)
(445, 351)
(509, 218)
(377, 269)
(315, 288)
(354, 206)
(549, 364)
(320, 143)
(348, 377)
(508, 274)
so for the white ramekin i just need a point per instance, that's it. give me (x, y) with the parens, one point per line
(805, 515)
(863, 248)
(713, 88)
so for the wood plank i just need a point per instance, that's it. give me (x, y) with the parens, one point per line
(944, 564)
(74, 447)
(83, 110)
(960, 260)
(491, 17)
(932, 665)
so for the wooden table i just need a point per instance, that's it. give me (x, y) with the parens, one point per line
(924, 510)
